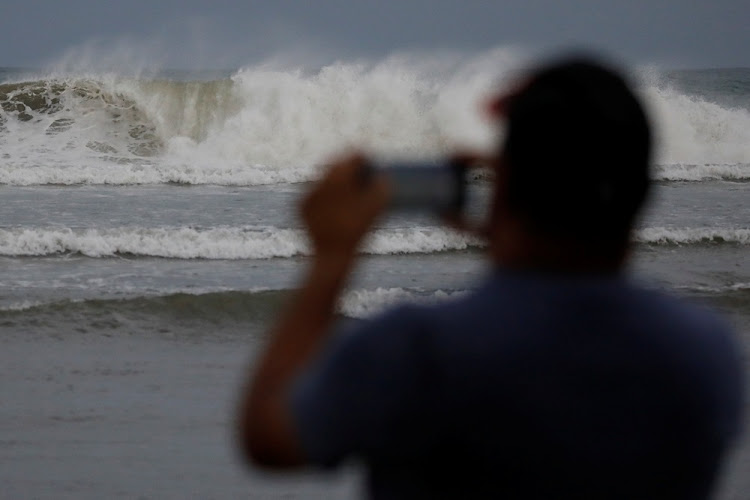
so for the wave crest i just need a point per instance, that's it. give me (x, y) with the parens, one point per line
(217, 243)
(265, 125)
(269, 242)
(367, 303)
(679, 172)
(693, 236)
(214, 306)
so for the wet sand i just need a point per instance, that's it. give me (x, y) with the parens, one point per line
(148, 415)
(86, 416)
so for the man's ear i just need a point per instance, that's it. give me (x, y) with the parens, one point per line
(497, 106)
(494, 108)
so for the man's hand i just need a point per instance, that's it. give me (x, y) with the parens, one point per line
(341, 208)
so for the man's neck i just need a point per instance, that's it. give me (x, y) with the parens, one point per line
(513, 247)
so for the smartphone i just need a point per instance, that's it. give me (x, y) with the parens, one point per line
(435, 186)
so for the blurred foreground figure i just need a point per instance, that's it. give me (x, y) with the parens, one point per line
(557, 379)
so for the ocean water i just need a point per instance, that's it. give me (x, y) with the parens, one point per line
(148, 233)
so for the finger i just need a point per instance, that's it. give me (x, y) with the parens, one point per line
(377, 193)
(348, 171)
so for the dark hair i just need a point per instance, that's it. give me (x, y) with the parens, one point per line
(577, 148)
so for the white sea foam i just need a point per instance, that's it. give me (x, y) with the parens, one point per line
(269, 124)
(692, 131)
(217, 243)
(184, 243)
(23, 305)
(270, 242)
(687, 236)
(723, 289)
(366, 303)
(679, 172)
(357, 303)
(418, 240)
(145, 171)
(262, 125)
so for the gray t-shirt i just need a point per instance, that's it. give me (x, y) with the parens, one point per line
(534, 386)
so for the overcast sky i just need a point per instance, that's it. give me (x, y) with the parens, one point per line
(214, 34)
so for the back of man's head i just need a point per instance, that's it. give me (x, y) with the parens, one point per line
(577, 151)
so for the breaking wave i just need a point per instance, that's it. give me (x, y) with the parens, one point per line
(219, 306)
(680, 172)
(268, 125)
(691, 130)
(367, 303)
(123, 171)
(271, 242)
(215, 243)
(693, 236)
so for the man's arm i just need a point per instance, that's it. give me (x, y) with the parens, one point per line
(338, 213)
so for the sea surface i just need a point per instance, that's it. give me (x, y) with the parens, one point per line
(148, 234)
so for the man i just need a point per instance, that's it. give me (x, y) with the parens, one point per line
(557, 379)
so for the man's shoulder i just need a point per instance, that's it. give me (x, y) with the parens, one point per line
(540, 304)
(689, 319)
(510, 304)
